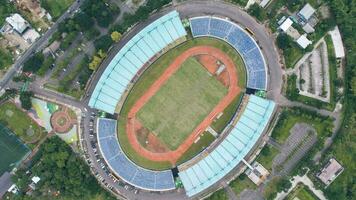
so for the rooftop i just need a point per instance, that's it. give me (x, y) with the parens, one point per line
(307, 11)
(331, 170)
(286, 24)
(303, 41)
(17, 22)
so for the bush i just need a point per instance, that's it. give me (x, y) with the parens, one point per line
(103, 43)
(258, 12)
(34, 63)
(25, 98)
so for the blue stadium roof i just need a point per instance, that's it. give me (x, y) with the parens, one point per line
(125, 168)
(240, 40)
(229, 153)
(127, 62)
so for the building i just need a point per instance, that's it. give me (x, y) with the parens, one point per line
(18, 23)
(306, 12)
(330, 172)
(258, 174)
(5, 183)
(337, 42)
(286, 25)
(308, 28)
(31, 35)
(303, 41)
(264, 3)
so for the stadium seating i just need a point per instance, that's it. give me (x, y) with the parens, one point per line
(229, 153)
(123, 167)
(127, 62)
(240, 40)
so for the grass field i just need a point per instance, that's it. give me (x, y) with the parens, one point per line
(266, 156)
(12, 150)
(182, 103)
(241, 183)
(22, 125)
(56, 8)
(301, 192)
(151, 74)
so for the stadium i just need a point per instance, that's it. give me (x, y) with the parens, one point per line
(186, 103)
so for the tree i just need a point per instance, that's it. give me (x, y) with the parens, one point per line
(103, 43)
(25, 98)
(116, 36)
(284, 41)
(93, 65)
(257, 11)
(34, 63)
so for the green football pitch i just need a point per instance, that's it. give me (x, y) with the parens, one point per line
(12, 150)
(182, 103)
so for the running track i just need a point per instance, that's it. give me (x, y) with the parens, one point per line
(173, 156)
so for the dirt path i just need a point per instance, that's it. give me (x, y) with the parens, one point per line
(173, 156)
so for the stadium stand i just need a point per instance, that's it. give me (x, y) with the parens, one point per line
(127, 62)
(125, 168)
(240, 40)
(229, 153)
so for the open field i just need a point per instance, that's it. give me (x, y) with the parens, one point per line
(266, 156)
(151, 74)
(12, 150)
(56, 8)
(181, 103)
(241, 183)
(22, 125)
(301, 192)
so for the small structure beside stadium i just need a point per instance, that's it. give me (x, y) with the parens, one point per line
(330, 172)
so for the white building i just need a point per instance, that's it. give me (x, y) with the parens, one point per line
(337, 42)
(31, 35)
(303, 41)
(306, 12)
(286, 25)
(330, 172)
(17, 22)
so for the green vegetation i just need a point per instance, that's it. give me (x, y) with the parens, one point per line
(46, 65)
(5, 59)
(25, 98)
(12, 150)
(103, 43)
(275, 185)
(257, 11)
(301, 192)
(219, 124)
(63, 174)
(56, 8)
(181, 104)
(151, 74)
(205, 140)
(242, 3)
(104, 13)
(241, 183)
(289, 117)
(6, 9)
(291, 51)
(218, 195)
(34, 63)
(266, 156)
(22, 125)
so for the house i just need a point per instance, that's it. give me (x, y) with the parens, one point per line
(18, 23)
(303, 41)
(306, 12)
(31, 35)
(34, 180)
(337, 42)
(330, 172)
(258, 174)
(286, 25)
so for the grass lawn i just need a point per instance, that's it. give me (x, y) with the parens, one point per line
(290, 117)
(301, 192)
(182, 103)
(22, 125)
(292, 55)
(203, 142)
(5, 59)
(219, 124)
(218, 195)
(12, 150)
(266, 156)
(151, 74)
(240, 183)
(56, 8)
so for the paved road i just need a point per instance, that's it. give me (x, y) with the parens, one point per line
(38, 45)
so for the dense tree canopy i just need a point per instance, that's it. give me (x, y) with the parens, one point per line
(34, 63)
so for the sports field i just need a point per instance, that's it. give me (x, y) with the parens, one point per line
(21, 124)
(151, 75)
(12, 150)
(181, 103)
